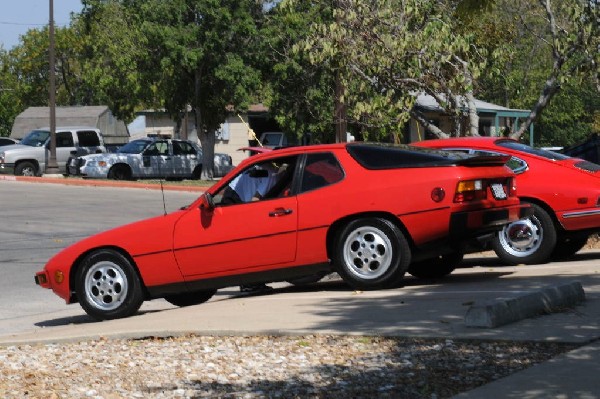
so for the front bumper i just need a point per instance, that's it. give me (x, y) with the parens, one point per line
(7, 168)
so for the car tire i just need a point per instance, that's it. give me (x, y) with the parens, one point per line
(438, 267)
(190, 298)
(568, 245)
(120, 172)
(527, 241)
(371, 253)
(107, 286)
(26, 169)
(197, 173)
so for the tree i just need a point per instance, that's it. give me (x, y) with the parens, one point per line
(203, 51)
(115, 57)
(388, 51)
(9, 102)
(299, 93)
(573, 39)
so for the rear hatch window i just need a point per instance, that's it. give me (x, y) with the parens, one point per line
(390, 156)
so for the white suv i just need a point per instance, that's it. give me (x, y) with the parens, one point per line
(30, 156)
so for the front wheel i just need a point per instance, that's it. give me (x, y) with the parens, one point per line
(371, 253)
(120, 172)
(108, 286)
(26, 169)
(527, 241)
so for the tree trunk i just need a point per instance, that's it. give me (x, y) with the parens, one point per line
(428, 125)
(550, 89)
(473, 117)
(207, 138)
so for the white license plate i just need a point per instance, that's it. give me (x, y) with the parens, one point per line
(498, 191)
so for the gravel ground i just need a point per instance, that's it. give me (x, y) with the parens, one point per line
(315, 366)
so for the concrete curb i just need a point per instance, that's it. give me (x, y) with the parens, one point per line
(70, 181)
(501, 311)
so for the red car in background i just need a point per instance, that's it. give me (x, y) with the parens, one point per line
(369, 212)
(563, 191)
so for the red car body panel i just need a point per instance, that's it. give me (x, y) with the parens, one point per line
(573, 193)
(199, 245)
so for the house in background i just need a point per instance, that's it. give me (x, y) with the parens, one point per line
(114, 131)
(493, 119)
(242, 130)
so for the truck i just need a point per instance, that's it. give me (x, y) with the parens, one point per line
(31, 155)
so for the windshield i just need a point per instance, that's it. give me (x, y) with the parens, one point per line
(36, 138)
(134, 147)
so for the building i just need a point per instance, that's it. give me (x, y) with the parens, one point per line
(114, 131)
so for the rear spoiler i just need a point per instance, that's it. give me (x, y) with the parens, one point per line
(484, 160)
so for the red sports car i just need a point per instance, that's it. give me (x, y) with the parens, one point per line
(563, 191)
(370, 212)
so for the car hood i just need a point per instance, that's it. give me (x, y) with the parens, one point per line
(19, 147)
(108, 157)
(137, 239)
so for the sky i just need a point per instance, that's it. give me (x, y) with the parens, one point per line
(18, 16)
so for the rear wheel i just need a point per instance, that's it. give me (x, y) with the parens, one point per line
(438, 267)
(25, 169)
(371, 253)
(119, 172)
(108, 286)
(190, 298)
(528, 241)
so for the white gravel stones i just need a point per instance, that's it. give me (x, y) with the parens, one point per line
(257, 367)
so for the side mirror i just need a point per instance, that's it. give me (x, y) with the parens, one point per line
(207, 202)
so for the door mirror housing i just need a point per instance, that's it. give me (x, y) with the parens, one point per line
(207, 202)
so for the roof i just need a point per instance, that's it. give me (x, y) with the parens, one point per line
(65, 112)
(430, 104)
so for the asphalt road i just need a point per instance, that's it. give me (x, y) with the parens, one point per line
(40, 219)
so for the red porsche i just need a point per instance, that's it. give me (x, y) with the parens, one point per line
(563, 191)
(370, 212)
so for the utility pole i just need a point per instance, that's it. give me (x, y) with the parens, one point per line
(339, 112)
(51, 165)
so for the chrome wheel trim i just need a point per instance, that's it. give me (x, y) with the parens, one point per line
(29, 171)
(106, 285)
(522, 238)
(368, 253)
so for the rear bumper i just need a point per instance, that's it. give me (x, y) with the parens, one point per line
(474, 223)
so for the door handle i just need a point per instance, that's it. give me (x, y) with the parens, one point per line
(280, 212)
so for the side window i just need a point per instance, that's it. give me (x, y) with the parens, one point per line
(64, 139)
(261, 181)
(157, 148)
(320, 170)
(183, 148)
(88, 138)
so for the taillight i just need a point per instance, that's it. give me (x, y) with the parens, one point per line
(470, 190)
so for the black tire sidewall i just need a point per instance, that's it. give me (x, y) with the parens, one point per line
(400, 257)
(543, 253)
(23, 165)
(134, 296)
